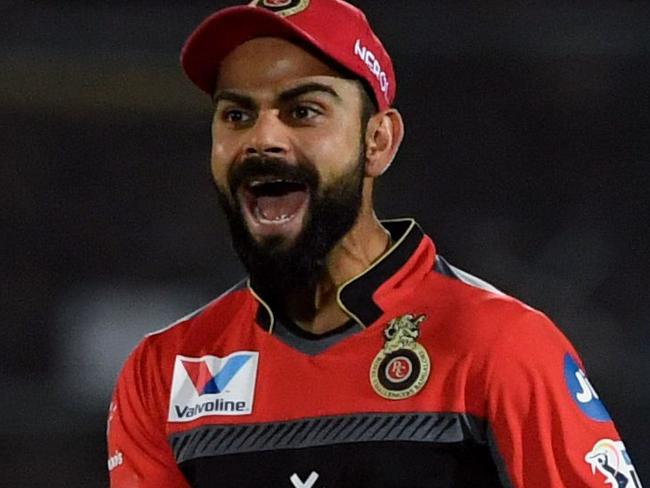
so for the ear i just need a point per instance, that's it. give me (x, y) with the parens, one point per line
(384, 135)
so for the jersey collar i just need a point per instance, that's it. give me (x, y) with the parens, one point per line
(365, 296)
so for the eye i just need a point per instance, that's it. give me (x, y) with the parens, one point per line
(236, 116)
(304, 112)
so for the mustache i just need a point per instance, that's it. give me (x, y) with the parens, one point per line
(255, 167)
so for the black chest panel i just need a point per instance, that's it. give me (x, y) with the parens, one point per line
(353, 465)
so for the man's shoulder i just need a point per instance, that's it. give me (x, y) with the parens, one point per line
(444, 268)
(469, 297)
(183, 329)
(484, 314)
(153, 361)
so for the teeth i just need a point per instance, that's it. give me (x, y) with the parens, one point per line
(280, 219)
(257, 183)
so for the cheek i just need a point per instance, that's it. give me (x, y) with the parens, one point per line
(335, 154)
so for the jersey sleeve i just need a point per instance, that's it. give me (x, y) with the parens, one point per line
(139, 455)
(548, 427)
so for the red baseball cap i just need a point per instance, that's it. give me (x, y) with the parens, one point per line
(335, 28)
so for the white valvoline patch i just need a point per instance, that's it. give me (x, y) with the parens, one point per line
(211, 385)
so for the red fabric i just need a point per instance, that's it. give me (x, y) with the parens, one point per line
(335, 28)
(491, 357)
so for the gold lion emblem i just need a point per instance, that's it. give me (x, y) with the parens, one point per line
(402, 332)
(402, 367)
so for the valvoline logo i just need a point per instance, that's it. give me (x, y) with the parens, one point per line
(212, 385)
(582, 392)
(207, 383)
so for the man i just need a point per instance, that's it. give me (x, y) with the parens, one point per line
(354, 355)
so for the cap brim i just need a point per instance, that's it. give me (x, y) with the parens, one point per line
(222, 32)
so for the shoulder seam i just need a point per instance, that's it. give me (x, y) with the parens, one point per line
(446, 269)
(196, 312)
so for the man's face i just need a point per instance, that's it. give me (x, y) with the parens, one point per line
(286, 156)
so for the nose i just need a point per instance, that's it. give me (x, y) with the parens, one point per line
(268, 137)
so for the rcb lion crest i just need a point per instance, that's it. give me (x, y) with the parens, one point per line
(282, 7)
(402, 367)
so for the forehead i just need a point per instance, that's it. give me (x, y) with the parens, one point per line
(266, 64)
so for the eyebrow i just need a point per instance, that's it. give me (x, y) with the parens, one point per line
(292, 93)
(242, 100)
(284, 97)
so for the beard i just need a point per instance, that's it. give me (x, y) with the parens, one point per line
(278, 265)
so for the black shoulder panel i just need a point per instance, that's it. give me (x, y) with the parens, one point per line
(443, 267)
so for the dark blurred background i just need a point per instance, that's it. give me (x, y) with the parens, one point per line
(527, 158)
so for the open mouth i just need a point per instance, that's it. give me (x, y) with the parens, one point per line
(274, 202)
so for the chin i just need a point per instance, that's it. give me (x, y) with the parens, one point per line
(275, 243)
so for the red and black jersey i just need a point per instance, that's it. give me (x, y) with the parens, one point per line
(438, 380)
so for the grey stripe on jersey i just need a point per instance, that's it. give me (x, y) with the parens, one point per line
(218, 440)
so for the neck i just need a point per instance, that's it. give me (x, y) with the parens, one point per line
(316, 310)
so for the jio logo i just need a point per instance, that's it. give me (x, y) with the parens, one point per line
(399, 369)
(582, 391)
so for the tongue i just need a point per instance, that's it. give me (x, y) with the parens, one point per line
(282, 206)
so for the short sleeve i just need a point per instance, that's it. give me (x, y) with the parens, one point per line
(549, 427)
(138, 452)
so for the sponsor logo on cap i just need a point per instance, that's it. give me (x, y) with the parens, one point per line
(369, 58)
(401, 368)
(282, 7)
(610, 459)
(211, 385)
(582, 392)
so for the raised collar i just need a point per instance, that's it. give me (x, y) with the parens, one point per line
(365, 296)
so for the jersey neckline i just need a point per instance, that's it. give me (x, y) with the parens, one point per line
(359, 296)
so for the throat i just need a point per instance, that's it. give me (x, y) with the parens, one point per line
(317, 313)
(279, 207)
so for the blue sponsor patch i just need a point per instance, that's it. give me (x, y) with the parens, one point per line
(582, 392)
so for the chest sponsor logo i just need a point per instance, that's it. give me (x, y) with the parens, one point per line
(282, 7)
(402, 367)
(582, 392)
(211, 385)
(610, 459)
